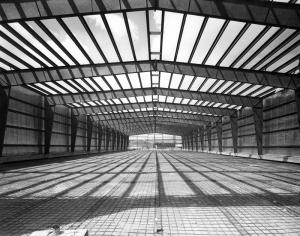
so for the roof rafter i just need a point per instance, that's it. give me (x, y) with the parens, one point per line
(30, 76)
(213, 97)
(255, 11)
(193, 108)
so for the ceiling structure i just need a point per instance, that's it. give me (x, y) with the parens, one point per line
(148, 66)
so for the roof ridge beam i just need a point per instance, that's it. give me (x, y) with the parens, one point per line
(30, 76)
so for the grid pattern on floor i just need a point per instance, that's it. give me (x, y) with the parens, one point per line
(149, 192)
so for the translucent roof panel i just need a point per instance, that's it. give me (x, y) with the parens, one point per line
(23, 45)
(92, 84)
(120, 34)
(155, 20)
(191, 29)
(231, 31)
(175, 81)
(268, 34)
(112, 82)
(186, 82)
(207, 85)
(61, 35)
(58, 88)
(29, 37)
(165, 79)
(134, 80)
(67, 86)
(172, 23)
(123, 81)
(45, 88)
(100, 33)
(138, 30)
(84, 39)
(103, 85)
(210, 32)
(146, 79)
(84, 85)
(242, 44)
(12, 61)
(197, 83)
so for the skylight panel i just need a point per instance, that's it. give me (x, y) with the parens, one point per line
(116, 101)
(35, 88)
(210, 32)
(132, 99)
(193, 102)
(84, 39)
(250, 90)
(162, 98)
(185, 101)
(172, 23)
(270, 47)
(177, 100)
(231, 88)
(284, 59)
(290, 66)
(76, 105)
(12, 61)
(197, 83)
(261, 91)
(86, 87)
(175, 81)
(100, 33)
(169, 99)
(240, 89)
(123, 81)
(66, 86)
(112, 82)
(224, 86)
(186, 82)
(45, 88)
(91, 83)
(295, 40)
(155, 42)
(140, 98)
(75, 85)
(103, 85)
(5, 67)
(18, 41)
(148, 98)
(231, 31)
(155, 79)
(124, 100)
(190, 32)
(267, 35)
(54, 86)
(164, 79)
(146, 80)
(49, 41)
(242, 43)
(61, 35)
(155, 20)
(120, 34)
(216, 86)
(92, 103)
(134, 80)
(138, 29)
(29, 37)
(207, 85)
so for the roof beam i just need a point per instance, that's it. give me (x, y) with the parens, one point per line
(212, 97)
(183, 107)
(255, 11)
(175, 115)
(30, 76)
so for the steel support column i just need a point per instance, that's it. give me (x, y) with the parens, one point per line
(4, 102)
(196, 140)
(208, 132)
(107, 138)
(219, 135)
(89, 132)
(297, 99)
(99, 137)
(48, 125)
(202, 138)
(113, 133)
(258, 123)
(234, 131)
(74, 126)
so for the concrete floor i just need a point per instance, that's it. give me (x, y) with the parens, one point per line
(139, 193)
